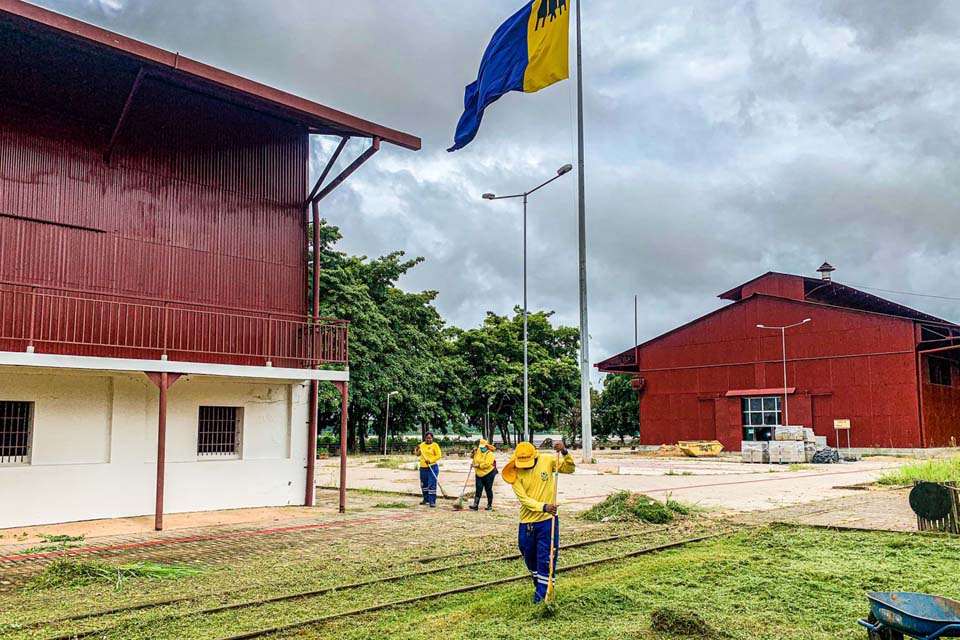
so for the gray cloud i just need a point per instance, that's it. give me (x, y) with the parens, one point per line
(723, 140)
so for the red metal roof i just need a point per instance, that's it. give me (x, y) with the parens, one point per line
(815, 292)
(204, 78)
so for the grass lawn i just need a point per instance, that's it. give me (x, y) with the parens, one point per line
(765, 584)
(938, 470)
(756, 584)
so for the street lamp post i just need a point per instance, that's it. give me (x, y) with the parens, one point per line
(486, 431)
(783, 343)
(489, 196)
(386, 423)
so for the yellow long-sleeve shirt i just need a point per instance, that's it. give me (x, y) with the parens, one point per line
(534, 486)
(429, 454)
(483, 462)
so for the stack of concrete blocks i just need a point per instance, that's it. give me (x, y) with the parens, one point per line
(787, 446)
(755, 452)
(809, 444)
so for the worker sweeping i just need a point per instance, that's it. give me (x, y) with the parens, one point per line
(532, 477)
(430, 454)
(485, 467)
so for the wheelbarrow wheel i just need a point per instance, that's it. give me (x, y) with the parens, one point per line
(886, 634)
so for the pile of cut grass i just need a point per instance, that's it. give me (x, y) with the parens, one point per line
(625, 506)
(54, 542)
(391, 505)
(939, 470)
(391, 463)
(70, 573)
(678, 622)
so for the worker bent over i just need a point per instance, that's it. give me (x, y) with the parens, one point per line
(532, 477)
(430, 454)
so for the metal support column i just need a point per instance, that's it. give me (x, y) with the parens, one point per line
(343, 444)
(163, 381)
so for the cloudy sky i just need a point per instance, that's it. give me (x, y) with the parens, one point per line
(724, 139)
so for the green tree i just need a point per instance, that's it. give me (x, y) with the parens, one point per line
(618, 408)
(492, 356)
(398, 342)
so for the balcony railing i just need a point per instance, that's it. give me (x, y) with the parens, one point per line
(87, 324)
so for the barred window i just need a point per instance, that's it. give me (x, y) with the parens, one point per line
(218, 432)
(16, 432)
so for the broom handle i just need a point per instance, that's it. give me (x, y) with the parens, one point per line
(464, 490)
(553, 524)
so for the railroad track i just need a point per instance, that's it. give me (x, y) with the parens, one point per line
(302, 595)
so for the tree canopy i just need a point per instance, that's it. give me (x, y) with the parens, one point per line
(447, 378)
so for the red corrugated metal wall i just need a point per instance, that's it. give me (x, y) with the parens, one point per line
(201, 203)
(689, 372)
(941, 405)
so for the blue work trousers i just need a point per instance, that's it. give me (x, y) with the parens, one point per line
(534, 543)
(428, 483)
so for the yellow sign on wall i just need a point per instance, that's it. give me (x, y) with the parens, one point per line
(841, 424)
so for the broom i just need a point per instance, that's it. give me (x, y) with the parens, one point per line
(548, 598)
(439, 486)
(458, 505)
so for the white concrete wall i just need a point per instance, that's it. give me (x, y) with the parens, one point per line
(95, 446)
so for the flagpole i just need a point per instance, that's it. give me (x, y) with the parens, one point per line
(585, 414)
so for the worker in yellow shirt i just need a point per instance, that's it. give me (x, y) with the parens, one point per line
(430, 454)
(486, 470)
(531, 475)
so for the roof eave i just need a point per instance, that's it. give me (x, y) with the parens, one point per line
(310, 113)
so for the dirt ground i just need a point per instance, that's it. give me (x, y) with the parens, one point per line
(722, 484)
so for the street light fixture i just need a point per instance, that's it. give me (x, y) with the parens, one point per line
(783, 342)
(386, 424)
(490, 196)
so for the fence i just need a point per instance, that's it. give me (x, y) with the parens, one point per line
(50, 321)
(949, 523)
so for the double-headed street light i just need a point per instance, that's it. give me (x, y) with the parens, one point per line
(783, 342)
(489, 196)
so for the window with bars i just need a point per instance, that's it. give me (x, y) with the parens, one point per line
(16, 432)
(218, 432)
(760, 416)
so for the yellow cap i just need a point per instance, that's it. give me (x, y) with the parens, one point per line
(484, 443)
(509, 473)
(525, 455)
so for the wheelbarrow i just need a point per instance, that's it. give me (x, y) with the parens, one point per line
(917, 615)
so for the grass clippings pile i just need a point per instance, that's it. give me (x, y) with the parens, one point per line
(939, 470)
(624, 506)
(675, 622)
(391, 505)
(53, 542)
(70, 573)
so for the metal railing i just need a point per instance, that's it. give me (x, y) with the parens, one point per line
(52, 321)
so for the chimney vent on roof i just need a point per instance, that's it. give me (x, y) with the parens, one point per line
(825, 271)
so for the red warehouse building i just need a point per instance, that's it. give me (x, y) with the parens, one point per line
(159, 348)
(894, 372)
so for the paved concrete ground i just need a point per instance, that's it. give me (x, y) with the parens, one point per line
(725, 485)
(881, 510)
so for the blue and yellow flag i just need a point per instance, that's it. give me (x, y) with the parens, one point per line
(527, 53)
